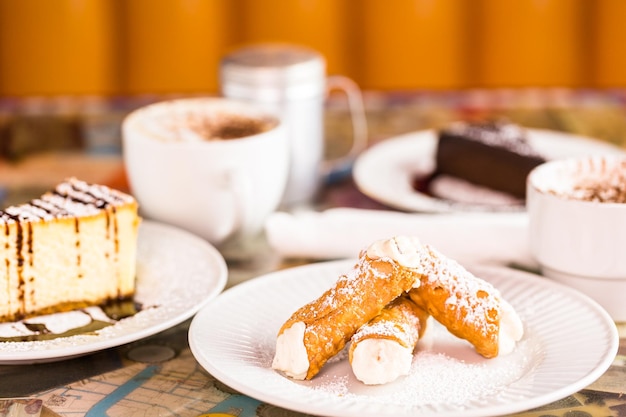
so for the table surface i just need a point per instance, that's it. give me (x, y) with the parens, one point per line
(159, 375)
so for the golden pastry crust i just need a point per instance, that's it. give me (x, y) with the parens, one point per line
(401, 321)
(467, 306)
(357, 297)
(389, 294)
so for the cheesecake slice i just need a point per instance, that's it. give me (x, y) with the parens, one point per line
(73, 247)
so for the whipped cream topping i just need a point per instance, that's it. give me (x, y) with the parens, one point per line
(405, 250)
(379, 361)
(291, 354)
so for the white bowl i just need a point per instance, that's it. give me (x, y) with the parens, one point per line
(576, 241)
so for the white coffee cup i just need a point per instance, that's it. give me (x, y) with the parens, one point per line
(577, 232)
(184, 173)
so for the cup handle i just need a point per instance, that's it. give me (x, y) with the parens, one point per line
(340, 166)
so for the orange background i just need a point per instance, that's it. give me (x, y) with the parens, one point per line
(138, 47)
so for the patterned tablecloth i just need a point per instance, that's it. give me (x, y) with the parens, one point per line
(159, 376)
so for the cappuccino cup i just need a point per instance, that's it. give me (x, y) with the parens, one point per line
(216, 167)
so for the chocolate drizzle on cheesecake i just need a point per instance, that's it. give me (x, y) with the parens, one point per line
(78, 258)
(72, 200)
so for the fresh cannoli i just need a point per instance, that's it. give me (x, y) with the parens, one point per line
(382, 350)
(469, 307)
(319, 330)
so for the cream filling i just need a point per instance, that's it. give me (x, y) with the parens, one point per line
(405, 250)
(511, 329)
(379, 361)
(291, 355)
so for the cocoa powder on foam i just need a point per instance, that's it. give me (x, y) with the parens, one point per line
(613, 190)
(189, 125)
(227, 126)
(606, 186)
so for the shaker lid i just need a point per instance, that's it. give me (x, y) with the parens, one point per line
(294, 70)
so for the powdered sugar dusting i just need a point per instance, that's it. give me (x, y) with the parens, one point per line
(445, 370)
(398, 321)
(472, 298)
(442, 271)
(347, 286)
(384, 328)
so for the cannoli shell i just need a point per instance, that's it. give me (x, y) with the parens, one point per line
(467, 306)
(402, 321)
(356, 298)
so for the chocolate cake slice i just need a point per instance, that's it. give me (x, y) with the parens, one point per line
(494, 154)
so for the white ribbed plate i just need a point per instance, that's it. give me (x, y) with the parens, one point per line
(385, 172)
(569, 342)
(177, 274)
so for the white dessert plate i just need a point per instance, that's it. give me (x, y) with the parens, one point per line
(569, 342)
(386, 171)
(177, 274)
